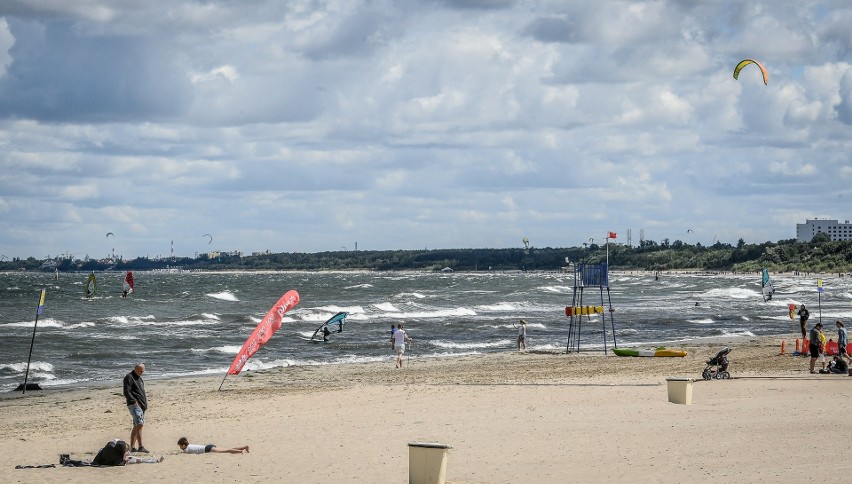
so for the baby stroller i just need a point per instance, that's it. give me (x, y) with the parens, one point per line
(717, 367)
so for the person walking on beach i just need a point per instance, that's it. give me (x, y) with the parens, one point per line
(400, 337)
(137, 404)
(522, 335)
(842, 340)
(188, 448)
(813, 346)
(804, 314)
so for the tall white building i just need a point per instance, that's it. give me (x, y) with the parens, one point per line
(836, 230)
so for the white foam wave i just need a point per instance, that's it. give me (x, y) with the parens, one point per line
(42, 323)
(701, 321)
(415, 295)
(386, 307)
(41, 366)
(359, 286)
(443, 313)
(224, 296)
(732, 293)
(210, 316)
(558, 289)
(228, 350)
(503, 306)
(468, 346)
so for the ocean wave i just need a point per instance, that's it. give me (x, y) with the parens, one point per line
(558, 289)
(415, 295)
(386, 307)
(502, 306)
(359, 286)
(475, 345)
(224, 296)
(732, 293)
(41, 366)
(701, 321)
(42, 323)
(228, 350)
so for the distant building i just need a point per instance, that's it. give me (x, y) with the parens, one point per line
(836, 230)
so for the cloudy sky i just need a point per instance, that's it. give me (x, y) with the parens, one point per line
(313, 125)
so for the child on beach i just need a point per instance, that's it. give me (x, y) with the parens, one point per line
(188, 448)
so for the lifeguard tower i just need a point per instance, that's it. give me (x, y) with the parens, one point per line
(586, 304)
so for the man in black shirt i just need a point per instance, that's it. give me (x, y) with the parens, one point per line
(137, 404)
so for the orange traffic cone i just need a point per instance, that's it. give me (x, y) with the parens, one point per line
(798, 349)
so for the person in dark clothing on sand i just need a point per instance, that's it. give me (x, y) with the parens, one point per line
(137, 405)
(804, 314)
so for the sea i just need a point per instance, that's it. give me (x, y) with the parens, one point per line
(194, 323)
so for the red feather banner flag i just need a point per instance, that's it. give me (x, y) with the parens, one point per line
(611, 235)
(263, 332)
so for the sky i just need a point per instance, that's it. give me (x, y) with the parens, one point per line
(324, 125)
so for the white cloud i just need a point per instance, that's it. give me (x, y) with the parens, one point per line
(310, 125)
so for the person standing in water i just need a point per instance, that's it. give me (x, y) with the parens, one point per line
(400, 337)
(522, 336)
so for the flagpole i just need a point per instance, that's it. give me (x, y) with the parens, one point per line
(32, 342)
(223, 382)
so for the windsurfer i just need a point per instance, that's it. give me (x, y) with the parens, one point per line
(325, 333)
(124, 294)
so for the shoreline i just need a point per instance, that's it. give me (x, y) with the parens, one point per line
(693, 343)
(510, 417)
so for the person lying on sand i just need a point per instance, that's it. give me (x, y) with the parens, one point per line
(188, 448)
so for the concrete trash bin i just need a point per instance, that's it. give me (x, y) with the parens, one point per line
(427, 462)
(680, 390)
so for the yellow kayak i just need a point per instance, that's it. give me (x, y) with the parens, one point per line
(655, 352)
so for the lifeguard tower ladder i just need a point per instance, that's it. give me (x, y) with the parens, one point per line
(592, 277)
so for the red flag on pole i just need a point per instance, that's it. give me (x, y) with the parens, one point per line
(611, 235)
(264, 330)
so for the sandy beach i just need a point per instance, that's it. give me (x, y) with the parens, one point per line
(511, 417)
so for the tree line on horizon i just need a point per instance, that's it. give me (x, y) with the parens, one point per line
(819, 255)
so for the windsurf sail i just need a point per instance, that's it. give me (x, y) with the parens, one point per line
(91, 285)
(128, 282)
(766, 284)
(336, 320)
(264, 330)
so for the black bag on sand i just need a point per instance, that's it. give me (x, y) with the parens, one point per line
(111, 455)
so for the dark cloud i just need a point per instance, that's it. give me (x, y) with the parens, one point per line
(59, 73)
